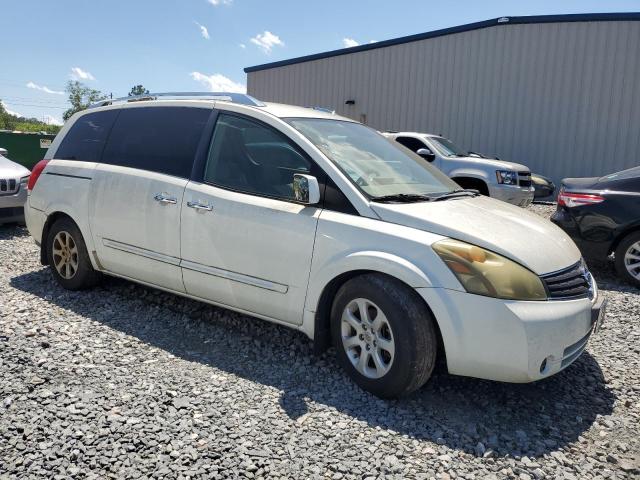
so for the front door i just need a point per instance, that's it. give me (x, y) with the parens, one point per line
(245, 243)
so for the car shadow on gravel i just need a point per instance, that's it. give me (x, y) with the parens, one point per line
(9, 231)
(471, 415)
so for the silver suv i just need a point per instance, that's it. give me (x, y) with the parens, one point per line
(13, 189)
(507, 181)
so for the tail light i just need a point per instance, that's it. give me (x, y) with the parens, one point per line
(35, 173)
(569, 200)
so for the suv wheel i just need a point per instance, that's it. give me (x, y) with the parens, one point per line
(68, 256)
(384, 335)
(628, 259)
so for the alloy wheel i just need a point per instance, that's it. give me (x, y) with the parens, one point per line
(367, 338)
(632, 260)
(65, 255)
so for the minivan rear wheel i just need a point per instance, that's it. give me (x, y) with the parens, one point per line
(68, 256)
(627, 259)
(384, 335)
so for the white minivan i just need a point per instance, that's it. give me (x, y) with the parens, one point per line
(317, 222)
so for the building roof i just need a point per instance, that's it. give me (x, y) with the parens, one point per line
(580, 17)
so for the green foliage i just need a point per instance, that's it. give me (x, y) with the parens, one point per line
(138, 90)
(22, 124)
(80, 97)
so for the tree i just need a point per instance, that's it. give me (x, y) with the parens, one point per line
(138, 90)
(81, 97)
(7, 121)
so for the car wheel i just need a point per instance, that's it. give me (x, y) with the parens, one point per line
(627, 257)
(68, 256)
(384, 335)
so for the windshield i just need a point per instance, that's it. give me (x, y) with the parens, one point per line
(448, 148)
(377, 166)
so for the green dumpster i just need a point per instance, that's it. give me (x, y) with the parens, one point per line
(25, 148)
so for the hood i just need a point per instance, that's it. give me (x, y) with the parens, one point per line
(500, 227)
(490, 162)
(9, 169)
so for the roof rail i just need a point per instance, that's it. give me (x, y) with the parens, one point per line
(241, 98)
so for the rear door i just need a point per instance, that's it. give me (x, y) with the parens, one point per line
(245, 242)
(138, 191)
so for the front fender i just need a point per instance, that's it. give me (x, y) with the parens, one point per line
(377, 261)
(470, 173)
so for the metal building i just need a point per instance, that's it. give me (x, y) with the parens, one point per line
(559, 93)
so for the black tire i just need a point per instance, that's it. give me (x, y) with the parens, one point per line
(83, 276)
(623, 247)
(412, 330)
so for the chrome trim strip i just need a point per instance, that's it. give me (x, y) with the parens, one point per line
(234, 276)
(143, 252)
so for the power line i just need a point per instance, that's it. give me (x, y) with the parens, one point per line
(32, 105)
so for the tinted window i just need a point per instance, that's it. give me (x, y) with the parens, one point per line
(86, 137)
(253, 158)
(158, 139)
(412, 144)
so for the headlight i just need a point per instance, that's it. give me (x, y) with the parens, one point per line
(507, 177)
(24, 180)
(486, 273)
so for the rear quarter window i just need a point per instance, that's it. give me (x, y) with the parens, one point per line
(157, 139)
(86, 138)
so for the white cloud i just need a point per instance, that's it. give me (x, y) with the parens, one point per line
(203, 31)
(44, 88)
(243, 46)
(51, 120)
(11, 112)
(349, 42)
(78, 74)
(266, 41)
(218, 83)
(215, 3)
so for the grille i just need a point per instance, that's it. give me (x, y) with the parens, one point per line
(573, 351)
(8, 186)
(572, 282)
(524, 179)
(11, 212)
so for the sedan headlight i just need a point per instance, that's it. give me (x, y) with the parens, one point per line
(486, 273)
(507, 177)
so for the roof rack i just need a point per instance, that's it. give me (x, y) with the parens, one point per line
(241, 98)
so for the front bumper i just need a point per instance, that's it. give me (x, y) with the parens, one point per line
(509, 341)
(12, 206)
(520, 196)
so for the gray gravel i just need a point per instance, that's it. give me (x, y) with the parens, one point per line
(124, 381)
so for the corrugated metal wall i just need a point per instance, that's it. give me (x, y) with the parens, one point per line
(562, 98)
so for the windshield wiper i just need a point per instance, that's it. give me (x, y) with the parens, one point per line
(462, 192)
(403, 198)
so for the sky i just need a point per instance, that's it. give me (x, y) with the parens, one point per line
(203, 45)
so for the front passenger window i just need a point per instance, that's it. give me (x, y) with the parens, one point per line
(253, 158)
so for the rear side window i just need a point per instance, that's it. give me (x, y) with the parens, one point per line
(86, 138)
(158, 139)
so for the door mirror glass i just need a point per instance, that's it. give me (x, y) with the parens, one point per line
(426, 154)
(306, 189)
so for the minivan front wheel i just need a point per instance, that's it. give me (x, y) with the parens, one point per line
(68, 256)
(384, 335)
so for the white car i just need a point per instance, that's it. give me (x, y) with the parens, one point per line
(317, 222)
(13, 189)
(507, 181)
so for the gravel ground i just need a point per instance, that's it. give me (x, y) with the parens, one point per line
(124, 381)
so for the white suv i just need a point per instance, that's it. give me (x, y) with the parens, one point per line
(314, 221)
(507, 181)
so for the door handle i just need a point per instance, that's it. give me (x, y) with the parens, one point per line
(165, 198)
(200, 206)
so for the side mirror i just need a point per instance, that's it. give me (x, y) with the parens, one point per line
(426, 154)
(306, 189)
